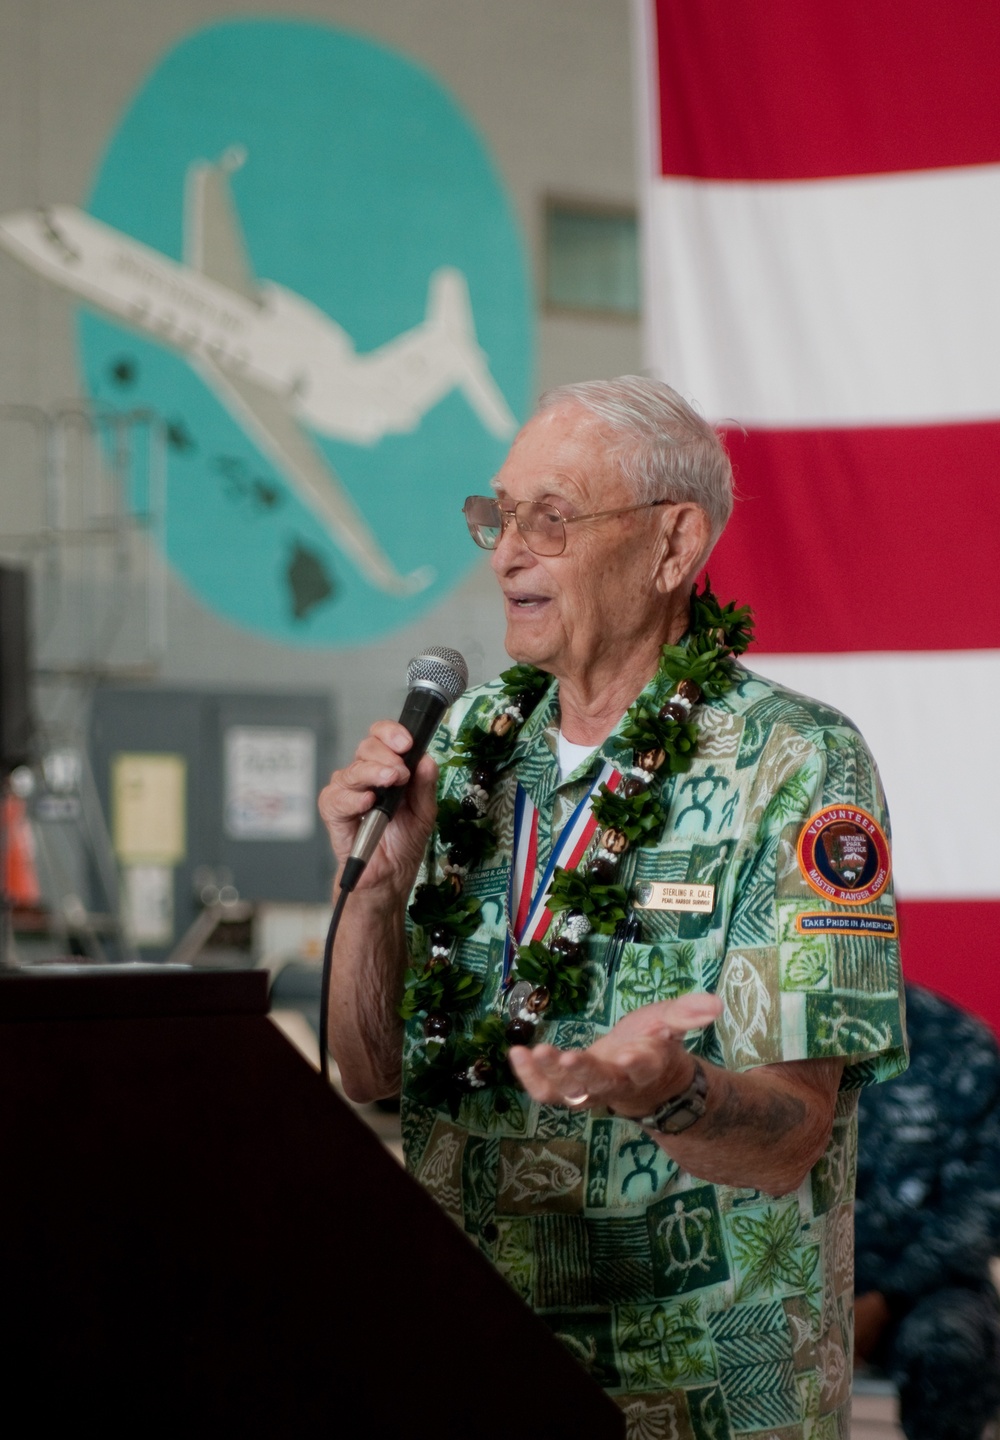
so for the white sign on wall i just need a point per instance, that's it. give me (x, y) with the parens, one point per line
(148, 903)
(270, 782)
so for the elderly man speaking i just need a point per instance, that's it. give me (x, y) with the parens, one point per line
(630, 952)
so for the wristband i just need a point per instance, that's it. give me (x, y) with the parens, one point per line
(681, 1111)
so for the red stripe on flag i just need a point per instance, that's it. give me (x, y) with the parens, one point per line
(866, 539)
(797, 89)
(951, 947)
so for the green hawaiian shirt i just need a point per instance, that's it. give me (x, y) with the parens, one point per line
(707, 1311)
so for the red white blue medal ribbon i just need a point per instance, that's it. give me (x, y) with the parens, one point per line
(529, 914)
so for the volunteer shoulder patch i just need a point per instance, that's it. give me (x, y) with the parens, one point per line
(844, 855)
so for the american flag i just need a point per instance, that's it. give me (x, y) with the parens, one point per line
(821, 235)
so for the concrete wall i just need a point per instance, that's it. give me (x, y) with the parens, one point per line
(548, 83)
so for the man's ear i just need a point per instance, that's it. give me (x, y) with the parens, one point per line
(687, 535)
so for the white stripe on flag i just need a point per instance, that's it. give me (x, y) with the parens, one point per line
(861, 301)
(930, 721)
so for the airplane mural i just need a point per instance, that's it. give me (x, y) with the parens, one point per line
(280, 365)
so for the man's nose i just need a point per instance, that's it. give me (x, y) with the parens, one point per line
(510, 547)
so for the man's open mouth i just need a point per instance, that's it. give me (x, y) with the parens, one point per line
(526, 602)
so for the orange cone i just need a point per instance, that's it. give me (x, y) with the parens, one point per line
(21, 877)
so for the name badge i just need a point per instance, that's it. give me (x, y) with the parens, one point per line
(697, 899)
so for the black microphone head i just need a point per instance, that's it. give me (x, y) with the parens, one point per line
(441, 669)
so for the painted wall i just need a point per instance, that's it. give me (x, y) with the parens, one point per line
(547, 86)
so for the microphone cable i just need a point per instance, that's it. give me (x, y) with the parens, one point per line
(324, 989)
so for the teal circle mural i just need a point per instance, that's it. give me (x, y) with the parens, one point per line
(312, 271)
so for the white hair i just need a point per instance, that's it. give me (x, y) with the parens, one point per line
(664, 448)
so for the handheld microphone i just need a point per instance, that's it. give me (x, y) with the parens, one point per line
(436, 677)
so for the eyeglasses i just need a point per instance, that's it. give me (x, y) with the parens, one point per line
(541, 526)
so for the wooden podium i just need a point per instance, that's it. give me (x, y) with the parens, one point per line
(198, 1237)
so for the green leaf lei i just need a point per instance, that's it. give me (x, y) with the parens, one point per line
(603, 905)
(460, 1058)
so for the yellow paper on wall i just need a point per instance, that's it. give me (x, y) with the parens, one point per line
(148, 808)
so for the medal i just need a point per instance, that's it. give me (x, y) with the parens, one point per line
(518, 995)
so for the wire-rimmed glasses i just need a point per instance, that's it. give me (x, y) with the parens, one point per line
(541, 525)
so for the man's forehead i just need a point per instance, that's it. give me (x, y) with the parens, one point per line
(562, 449)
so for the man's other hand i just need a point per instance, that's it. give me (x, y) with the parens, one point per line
(639, 1064)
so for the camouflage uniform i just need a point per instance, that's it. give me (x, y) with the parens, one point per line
(707, 1311)
(928, 1220)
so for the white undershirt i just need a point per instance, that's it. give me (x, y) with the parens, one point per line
(570, 756)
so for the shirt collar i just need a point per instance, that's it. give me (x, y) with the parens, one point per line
(537, 743)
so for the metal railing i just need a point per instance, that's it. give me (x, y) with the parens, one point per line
(83, 508)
